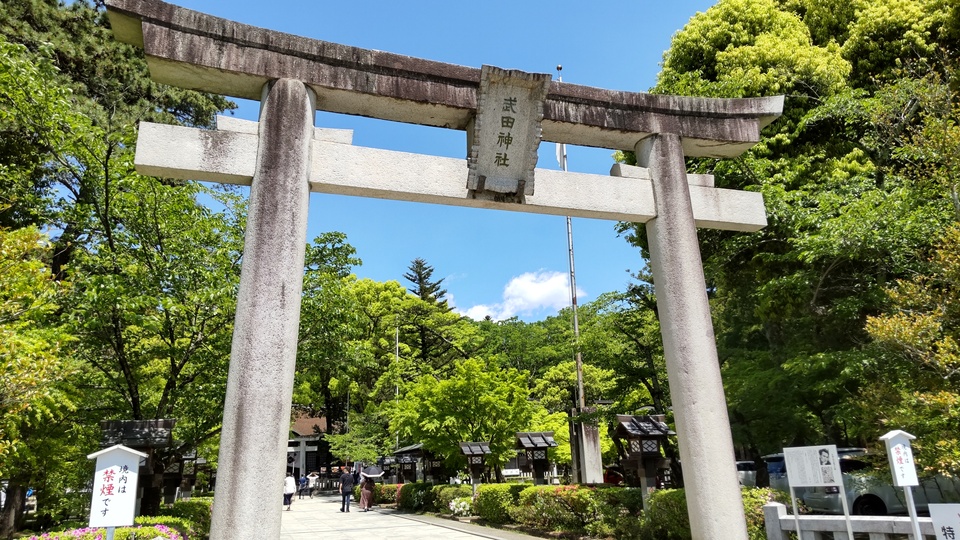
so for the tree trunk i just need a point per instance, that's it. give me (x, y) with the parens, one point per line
(151, 480)
(12, 515)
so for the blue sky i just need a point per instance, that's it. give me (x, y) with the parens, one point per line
(493, 263)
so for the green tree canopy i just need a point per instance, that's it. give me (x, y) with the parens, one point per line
(476, 403)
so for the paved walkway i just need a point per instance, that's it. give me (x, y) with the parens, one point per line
(320, 517)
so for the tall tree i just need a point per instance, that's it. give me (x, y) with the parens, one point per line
(111, 88)
(330, 330)
(35, 368)
(153, 306)
(476, 403)
(154, 311)
(916, 366)
(845, 214)
(420, 275)
(430, 318)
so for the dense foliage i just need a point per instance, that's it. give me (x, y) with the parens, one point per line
(666, 515)
(858, 179)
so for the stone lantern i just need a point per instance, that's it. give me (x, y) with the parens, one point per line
(476, 453)
(641, 437)
(535, 446)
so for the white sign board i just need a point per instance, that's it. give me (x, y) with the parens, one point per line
(811, 466)
(115, 487)
(946, 521)
(900, 455)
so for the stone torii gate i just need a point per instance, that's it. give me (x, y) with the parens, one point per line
(505, 113)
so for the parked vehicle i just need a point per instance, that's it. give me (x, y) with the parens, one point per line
(871, 492)
(747, 472)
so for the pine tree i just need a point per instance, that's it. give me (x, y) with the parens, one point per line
(429, 291)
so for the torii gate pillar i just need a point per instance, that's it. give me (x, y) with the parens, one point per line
(256, 415)
(713, 496)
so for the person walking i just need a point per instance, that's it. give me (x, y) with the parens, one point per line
(366, 494)
(289, 488)
(346, 489)
(303, 486)
(312, 482)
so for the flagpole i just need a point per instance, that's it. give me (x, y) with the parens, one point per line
(562, 158)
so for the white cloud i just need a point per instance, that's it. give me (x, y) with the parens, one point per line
(528, 294)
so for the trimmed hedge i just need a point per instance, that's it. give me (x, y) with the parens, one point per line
(416, 497)
(621, 513)
(382, 493)
(197, 512)
(140, 532)
(754, 500)
(602, 512)
(666, 517)
(386, 493)
(568, 508)
(444, 494)
(185, 520)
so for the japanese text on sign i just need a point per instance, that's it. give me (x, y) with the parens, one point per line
(946, 520)
(114, 487)
(506, 134)
(904, 470)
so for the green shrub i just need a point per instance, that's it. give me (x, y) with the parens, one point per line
(415, 497)
(445, 494)
(382, 493)
(121, 533)
(565, 508)
(462, 506)
(516, 488)
(754, 500)
(493, 502)
(666, 515)
(620, 513)
(198, 511)
(183, 526)
(386, 493)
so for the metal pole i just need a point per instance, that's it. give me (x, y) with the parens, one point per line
(581, 400)
(396, 360)
(915, 524)
(581, 403)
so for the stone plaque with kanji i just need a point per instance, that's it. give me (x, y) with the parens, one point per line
(506, 134)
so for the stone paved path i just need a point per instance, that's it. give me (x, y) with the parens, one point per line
(320, 517)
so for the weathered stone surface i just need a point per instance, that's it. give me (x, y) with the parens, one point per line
(689, 349)
(193, 50)
(627, 195)
(256, 416)
(238, 125)
(506, 134)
